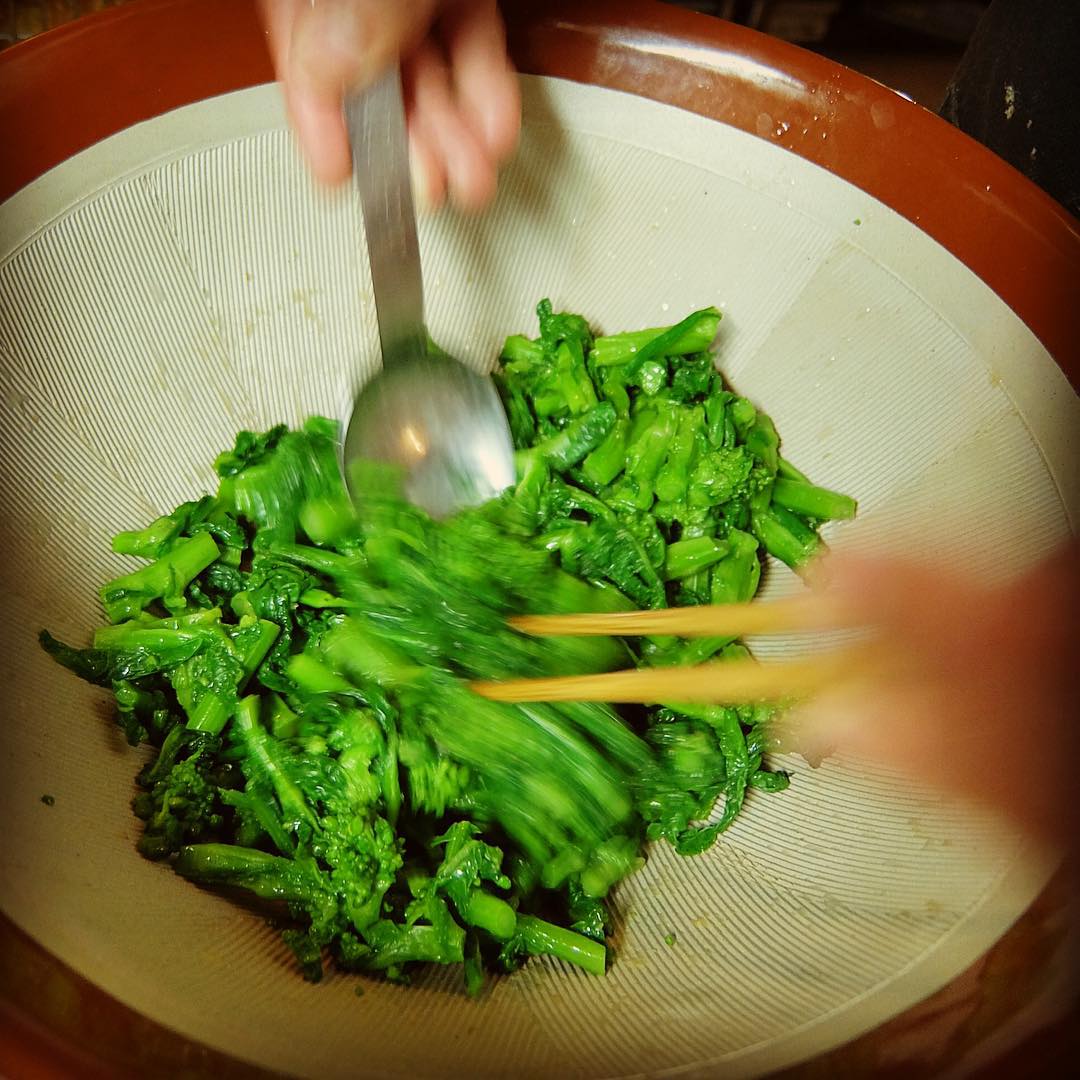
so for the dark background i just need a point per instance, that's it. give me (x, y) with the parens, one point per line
(911, 45)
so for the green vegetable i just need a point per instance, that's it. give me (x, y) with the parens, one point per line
(165, 579)
(299, 660)
(809, 501)
(693, 335)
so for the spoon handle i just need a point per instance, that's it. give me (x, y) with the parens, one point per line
(376, 124)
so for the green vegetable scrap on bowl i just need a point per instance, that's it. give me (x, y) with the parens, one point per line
(299, 661)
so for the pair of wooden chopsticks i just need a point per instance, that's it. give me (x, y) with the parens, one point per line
(717, 682)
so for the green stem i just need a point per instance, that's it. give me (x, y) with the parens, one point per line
(763, 442)
(124, 597)
(487, 912)
(518, 349)
(735, 578)
(784, 539)
(320, 598)
(212, 713)
(541, 937)
(693, 334)
(812, 501)
(147, 543)
(272, 877)
(582, 435)
(674, 478)
(686, 557)
(161, 641)
(260, 746)
(648, 450)
(609, 458)
(326, 562)
(314, 677)
(691, 653)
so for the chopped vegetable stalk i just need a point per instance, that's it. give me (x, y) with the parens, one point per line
(686, 557)
(693, 334)
(809, 501)
(125, 597)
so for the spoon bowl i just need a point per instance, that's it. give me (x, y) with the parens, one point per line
(443, 424)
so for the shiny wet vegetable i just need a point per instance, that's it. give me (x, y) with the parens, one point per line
(299, 660)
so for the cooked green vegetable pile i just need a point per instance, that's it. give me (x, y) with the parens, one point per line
(299, 661)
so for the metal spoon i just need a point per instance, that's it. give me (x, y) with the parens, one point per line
(426, 412)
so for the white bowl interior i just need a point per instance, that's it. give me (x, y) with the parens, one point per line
(183, 280)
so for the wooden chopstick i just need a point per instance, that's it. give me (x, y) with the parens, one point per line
(723, 682)
(720, 620)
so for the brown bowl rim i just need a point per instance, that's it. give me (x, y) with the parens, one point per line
(148, 57)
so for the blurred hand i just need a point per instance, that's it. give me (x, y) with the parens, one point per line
(977, 691)
(461, 93)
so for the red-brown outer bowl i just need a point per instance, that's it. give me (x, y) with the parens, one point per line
(71, 87)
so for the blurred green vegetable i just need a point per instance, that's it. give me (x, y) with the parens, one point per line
(299, 661)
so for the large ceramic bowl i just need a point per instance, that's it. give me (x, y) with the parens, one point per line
(898, 299)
